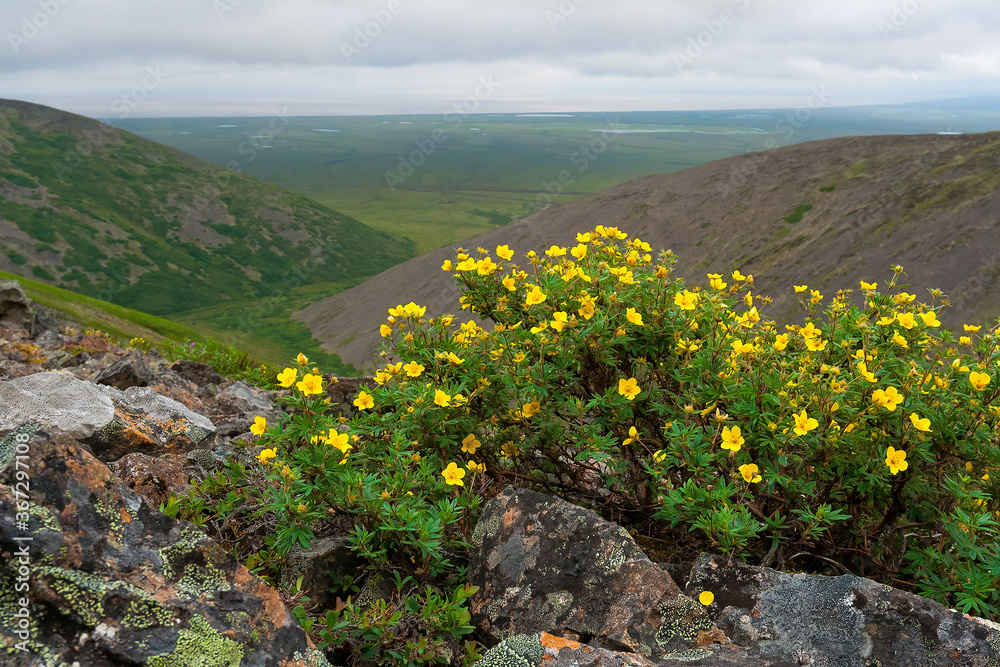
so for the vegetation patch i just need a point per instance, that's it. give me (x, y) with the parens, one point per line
(796, 215)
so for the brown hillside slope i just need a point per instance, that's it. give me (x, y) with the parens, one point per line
(929, 203)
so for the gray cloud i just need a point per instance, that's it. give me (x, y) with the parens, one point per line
(396, 56)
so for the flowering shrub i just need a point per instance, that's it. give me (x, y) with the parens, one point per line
(860, 440)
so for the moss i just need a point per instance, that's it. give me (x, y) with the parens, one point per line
(200, 645)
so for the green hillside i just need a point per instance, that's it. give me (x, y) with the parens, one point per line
(111, 215)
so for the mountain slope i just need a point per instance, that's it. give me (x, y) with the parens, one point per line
(107, 213)
(825, 213)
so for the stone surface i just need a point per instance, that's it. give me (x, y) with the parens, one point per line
(542, 564)
(76, 407)
(106, 580)
(197, 372)
(154, 479)
(844, 621)
(315, 565)
(130, 370)
(15, 306)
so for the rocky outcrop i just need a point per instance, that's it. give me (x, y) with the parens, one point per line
(15, 306)
(111, 421)
(560, 586)
(92, 575)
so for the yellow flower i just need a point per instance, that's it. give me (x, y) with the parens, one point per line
(259, 426)
(583, 238)
(476, 467)
(364, 401)
(503, 252)
(534, 296)
(686, 300)
(470, 444)
(510, 284)
(865, 373)
(930, 319)
(659, 455)
(559, 321)
(971, 329)
(302, 360)
(629, 388)
(446, 266)
(886, 320)
(555, 251)
(454, 358)
(906, 320)
(739, 347)
(286, 378)
(921, 424)
(634, 317)
(588, 308)
(266, 455)
(413, 369)
(816, 344)
(540, 328)
(385, 330)
(633, 435)
(979, 380)
(716, 282)
(579, 252)
(896, 460)
(442, 399)
(750, 472)
(899, 340)
(732, 438)
(801, 288)
(887, 399)
(413, 310)
(531, 409)
(803, 423)
(310, 384)
(341, 441)
(868, 286)
(738, 277)
(453, 475)
(467, 264)
(780, 342)
(706, 597)
(486, 267)
(965, 340)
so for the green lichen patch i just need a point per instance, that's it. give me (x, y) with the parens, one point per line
(201, 581)
(200, 645)
(84, 595)
(8, 444)
(682, 619)
(516, 651)
(186, 543)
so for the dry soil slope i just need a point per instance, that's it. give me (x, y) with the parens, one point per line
(929, 203)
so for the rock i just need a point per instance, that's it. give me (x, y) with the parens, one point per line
(71, 405)
(330, 555)
(343, 391)
(155, 479)
(844, 621)
(241, 399)
(113, 422)
(15, 306)
(129, 371)
(542, 564)
(197, 372)
(108, 581)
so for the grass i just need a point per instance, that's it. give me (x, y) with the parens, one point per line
(796, 215)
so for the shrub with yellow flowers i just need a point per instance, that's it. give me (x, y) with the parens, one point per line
(860, 440)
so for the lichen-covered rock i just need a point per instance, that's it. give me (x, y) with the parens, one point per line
(197, 372)
(155, 479)
(844, 621)
(91, 575)
(543, 564)
(74, 406)
(326, 558)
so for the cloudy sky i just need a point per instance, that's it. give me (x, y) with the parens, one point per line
(116, 58)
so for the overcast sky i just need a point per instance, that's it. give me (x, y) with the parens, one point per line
(115, 58)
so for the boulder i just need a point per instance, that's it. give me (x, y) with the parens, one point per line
(544, 565)
(155, 479)
(91, 575)
(130, 370)
(112, 422)
(15, 306)
(843, 621)
(324, 560)
(197, 372)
